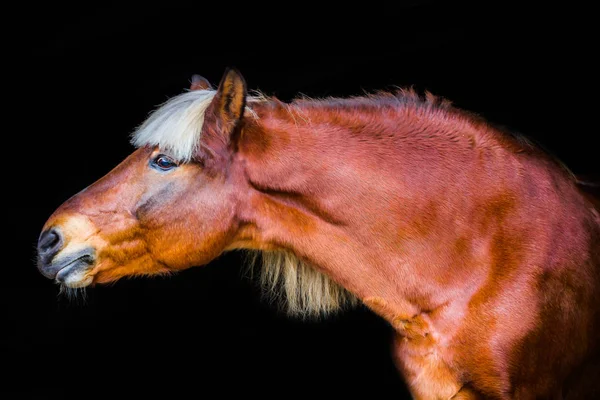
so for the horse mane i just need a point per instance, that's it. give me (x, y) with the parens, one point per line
(298, 287)
(176, 126)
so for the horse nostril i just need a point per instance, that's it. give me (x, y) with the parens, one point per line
(50, 243)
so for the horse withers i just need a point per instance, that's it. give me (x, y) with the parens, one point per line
(477, 247)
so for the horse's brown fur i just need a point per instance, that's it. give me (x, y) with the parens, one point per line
(479, 249)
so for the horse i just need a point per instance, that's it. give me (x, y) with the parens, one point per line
(479, 248)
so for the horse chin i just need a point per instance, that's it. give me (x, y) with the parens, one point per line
(75, 273)
(77, 280)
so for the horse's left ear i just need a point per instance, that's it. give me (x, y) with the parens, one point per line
(230, 100)
(200, 83)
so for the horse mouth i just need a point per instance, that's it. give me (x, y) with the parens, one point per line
(73, 271)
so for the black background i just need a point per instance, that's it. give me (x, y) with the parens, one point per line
(85, 76)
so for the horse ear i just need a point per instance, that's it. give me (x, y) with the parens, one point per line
(223, 116)
(200, 83)
(230, 100)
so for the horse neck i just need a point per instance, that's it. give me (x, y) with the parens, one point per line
(382, 200)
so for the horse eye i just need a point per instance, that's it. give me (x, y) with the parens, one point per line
(163, 162)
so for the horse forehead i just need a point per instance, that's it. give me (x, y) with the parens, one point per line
(132, 164)
(140, 154)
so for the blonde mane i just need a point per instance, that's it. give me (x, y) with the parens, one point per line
(175, 127)
(297, 287)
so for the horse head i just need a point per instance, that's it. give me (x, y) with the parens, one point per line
(168, 206)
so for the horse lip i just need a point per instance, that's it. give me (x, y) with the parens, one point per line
(74, 263)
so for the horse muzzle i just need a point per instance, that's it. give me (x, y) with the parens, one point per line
(63, 259)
